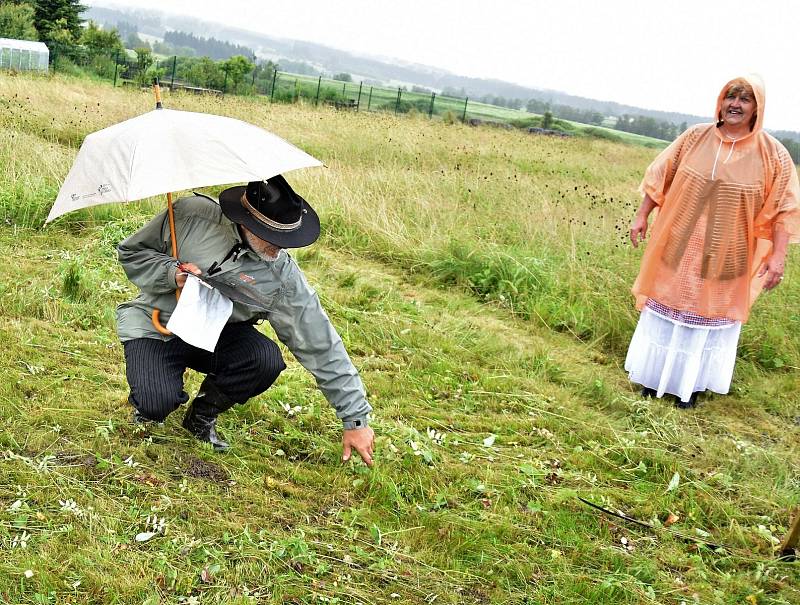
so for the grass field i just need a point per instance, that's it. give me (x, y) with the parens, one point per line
(480, 279)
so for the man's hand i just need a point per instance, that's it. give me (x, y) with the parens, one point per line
(362, 440)
(183, 270)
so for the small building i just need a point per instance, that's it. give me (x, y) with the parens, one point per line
(23, 55)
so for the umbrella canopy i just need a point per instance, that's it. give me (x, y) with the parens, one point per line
(167, 150)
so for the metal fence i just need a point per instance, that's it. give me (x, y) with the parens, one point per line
(206, 76)
(357, 96)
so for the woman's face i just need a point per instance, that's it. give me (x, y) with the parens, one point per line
(738, 108)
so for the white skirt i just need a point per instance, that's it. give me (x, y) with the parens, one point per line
(671, 357)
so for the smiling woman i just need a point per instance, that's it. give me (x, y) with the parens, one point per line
(738, 112)
(727, 195)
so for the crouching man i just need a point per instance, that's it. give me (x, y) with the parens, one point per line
(238, 246)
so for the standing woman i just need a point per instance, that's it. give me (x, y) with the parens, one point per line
(728, 198)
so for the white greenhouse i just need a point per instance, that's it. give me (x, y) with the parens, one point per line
(23, 55)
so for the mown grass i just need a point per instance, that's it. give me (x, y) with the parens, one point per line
(480, 281)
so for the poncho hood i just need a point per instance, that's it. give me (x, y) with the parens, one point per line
(757, 84)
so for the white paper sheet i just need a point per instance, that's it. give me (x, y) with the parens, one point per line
(200, 315)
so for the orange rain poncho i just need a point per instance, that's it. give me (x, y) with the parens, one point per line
(718, 204)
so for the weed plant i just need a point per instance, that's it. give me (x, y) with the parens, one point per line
(480, 280)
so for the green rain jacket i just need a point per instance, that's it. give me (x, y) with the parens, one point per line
(206, 236)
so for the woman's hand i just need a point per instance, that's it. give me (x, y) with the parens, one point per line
(639, 224)
(773, 269)
(638, 230)
(183, 270)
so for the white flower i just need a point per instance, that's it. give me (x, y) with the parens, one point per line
(17, 505)
(70, 506)
(129, 461)
(29, 573)
(291, 410)
(112, 286)
(157, 524)
(435, 436)
(153, 527)
(21, 540)
(489, 441)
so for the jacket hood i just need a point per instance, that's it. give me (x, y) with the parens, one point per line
(757, 84)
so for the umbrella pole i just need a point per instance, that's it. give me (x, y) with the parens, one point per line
(171, 214)
(789, 544)
(156, 312)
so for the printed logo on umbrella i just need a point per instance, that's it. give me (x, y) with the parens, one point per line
(101, 190)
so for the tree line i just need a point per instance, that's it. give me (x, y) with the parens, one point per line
(58, 24)
(207, 47)
(54, 22)
(793, 147)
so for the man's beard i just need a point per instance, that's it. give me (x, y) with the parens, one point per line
(264, 250)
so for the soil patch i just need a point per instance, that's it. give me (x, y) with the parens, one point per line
(200, 469)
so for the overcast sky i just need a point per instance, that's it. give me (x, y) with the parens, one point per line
(672, 55)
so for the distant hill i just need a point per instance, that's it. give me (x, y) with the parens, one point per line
(309, 57)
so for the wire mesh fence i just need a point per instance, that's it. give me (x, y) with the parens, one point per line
(359, 96)
(203, 75)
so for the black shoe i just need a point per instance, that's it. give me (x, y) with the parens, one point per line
(142, 420)
(204, 428)
(647, 392)
(201, 417)
(685, 405)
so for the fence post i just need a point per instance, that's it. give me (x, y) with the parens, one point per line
(397, 104)
(464, 117)
(360, 86)
(369, 99)
(116, 67)
(255, 68)
(344, 86)
(172, 80)
(319, 85)
(430, 111)
(272, 90)
(225, 83)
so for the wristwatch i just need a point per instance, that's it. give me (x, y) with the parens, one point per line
(358, 423)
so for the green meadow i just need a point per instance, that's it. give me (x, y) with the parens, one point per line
(480, 280)
(376, 98)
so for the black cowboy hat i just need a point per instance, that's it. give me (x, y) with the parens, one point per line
(272, 211)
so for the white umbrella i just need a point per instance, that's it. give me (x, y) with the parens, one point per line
(166, 150)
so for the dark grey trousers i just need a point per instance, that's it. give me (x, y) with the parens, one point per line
(244, 364)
